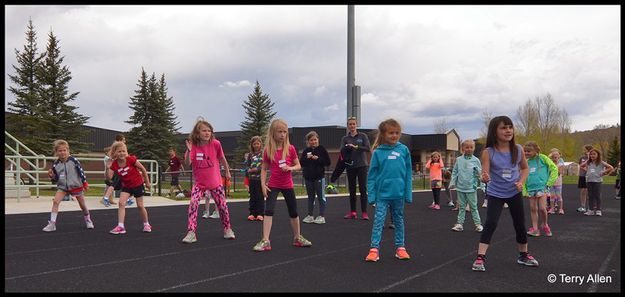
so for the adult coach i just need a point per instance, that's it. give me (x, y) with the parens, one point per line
(356, 144)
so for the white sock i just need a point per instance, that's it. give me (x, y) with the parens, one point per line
(121, 225)
(53, 216)
(105, 198)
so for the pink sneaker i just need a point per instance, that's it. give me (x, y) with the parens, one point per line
(551, 211)
(351, 215)
(437, 207)
(118, 230)
(547, 230)
(432, 206)
(147, 228)
(365, 216)
(561, 211)
(533, 232)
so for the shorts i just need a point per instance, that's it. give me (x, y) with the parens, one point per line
(536, 194)
(115, 182)
(136, 191)
(436, 184)
(67, 193)
(555, 190)
(581, 182)
(174, 180)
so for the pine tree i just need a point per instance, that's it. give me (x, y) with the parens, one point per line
(27, 122)
(258, 115)
(59, 117)
(614, 152)
(154, 121)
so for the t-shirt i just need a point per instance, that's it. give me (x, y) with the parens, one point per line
(205, 164)
(174, 164)
(280, 179)
(130, 175)
(436, 169)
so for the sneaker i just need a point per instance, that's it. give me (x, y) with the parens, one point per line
(598, 212)
(392, 226)
(263, 245)
(351, 215)
(455, 208)
(533, 232)
(437, 207)
(401, 254)
(561, 211)
(89, 224)
(590, 213)
(214, 215)
(505, 205)
(251, 218)
(373, 256)
(50, 227)
(547, 231)
(450, 204)
(581, 209)
(205, 215)
(308, 219)
(365, 216)
(551, 211)
(478, 264)
(259, 218)
(479, 228)
(190, 238)
(432, 206)
(320, 220)
(527, 260)
(147, 228)
(300, 241)
(130, 202)
(106, 202)
(228, 233)
(118, 230)
(617, 197)
(484, 205)
(457, 227)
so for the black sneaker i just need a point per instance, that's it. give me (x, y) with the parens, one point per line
(527, 260)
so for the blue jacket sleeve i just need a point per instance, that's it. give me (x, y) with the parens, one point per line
(372, 177)
(408, 191)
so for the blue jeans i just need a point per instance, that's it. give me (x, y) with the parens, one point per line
(316, 187)
(397, 211)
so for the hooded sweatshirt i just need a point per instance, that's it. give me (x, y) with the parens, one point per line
(542, 173)
(68, 175)
(466, 173)
(390, 174)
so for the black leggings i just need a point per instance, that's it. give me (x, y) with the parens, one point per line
(257, 201)
(361, 174)
(289, 198)
(594, 195)
(493, 211)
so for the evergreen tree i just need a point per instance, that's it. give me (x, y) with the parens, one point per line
(26, 124)
(258, 116)
(614, 152)
(154, 121)
(59, 117)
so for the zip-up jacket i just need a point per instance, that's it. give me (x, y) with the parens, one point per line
(543, 173)
(466, 173)
(390, 174)
(314, 169)
(68, 175)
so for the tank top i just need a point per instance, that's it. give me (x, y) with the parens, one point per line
(503, 174)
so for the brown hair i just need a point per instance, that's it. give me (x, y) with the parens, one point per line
(194, 136)
(382, 128)
(254, 139)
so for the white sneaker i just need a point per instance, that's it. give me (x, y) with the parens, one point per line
(485, 204)
(320, 220)
(590, 213)
(214, 215)
(89, 224)
(479, 228)
(457, 227)
(50, 227)
(598, 212)
(228, 234)
(308, 219)
(450, 204)
(190, 238)
(505, 205)
(205, 215)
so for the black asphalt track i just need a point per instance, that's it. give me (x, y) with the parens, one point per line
(74, 259)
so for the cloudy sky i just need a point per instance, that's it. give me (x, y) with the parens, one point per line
(419, 64)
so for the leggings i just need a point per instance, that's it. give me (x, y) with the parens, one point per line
(289, 198)
(361, 174)
(257, 201)
(220, 201)
(493, 211)
(594, 195)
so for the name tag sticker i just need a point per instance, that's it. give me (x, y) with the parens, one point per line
(396, 154)
(506, 173)
(391, 157)
(533, 169)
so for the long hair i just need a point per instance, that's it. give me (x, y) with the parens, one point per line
(254, 139)
(272, 146)
(598, 156)
(491, 137)
(194, 136)
(532, 145)
(382, 128)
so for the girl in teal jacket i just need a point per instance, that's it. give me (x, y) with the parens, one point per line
(542, 174)
(390, 185)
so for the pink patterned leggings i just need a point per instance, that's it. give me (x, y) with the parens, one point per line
(218, 195)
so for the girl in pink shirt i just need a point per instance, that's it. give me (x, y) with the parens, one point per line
(436, 165)
(204, 153)
(280, 157)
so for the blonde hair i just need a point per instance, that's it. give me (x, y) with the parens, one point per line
(310, 135)
(58, 143)
(194, 136)
(115, 146)
(382, 128)
(435, 153)
(254, 139)
(272, 147)
(533, 146)
(467, 141)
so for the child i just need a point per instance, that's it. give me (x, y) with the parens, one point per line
(465, 178)
(204, 153)
(435, 165)
(504, 168)
(314, 160)
(109, 187)
(617, 184)
(207, 207)
(390, 185)
(542, 175)
(280, 157)
(70, 180)
(175, 167)
(254, 162)
(595, 170)
(133, 178)
(446, 181)
(555, 191)
(581, 182)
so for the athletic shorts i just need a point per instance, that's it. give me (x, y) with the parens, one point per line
(581, 182)
(555, 190)
(137, 191)
(537, 193)
(174, 180)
